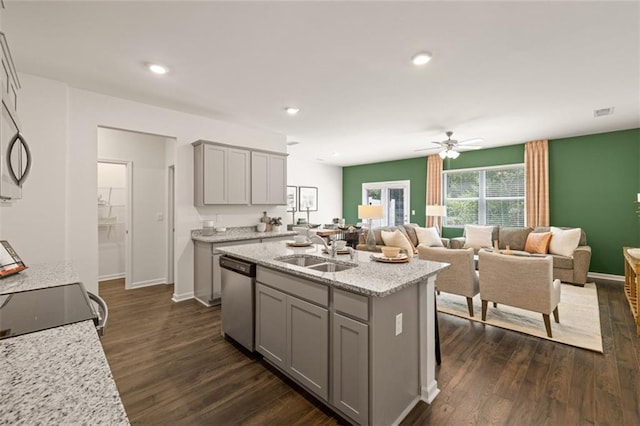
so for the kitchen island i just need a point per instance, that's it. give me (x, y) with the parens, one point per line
(359, 335)
(59, 375)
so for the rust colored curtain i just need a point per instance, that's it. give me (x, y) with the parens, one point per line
(536, 168)
(434, 185)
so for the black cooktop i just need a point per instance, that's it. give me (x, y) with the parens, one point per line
(34, 310)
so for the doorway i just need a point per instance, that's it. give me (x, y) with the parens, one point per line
(393, 196)
(149, 259)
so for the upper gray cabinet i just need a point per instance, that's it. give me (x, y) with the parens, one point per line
(226, 174)
(268, 178)
(222, 174)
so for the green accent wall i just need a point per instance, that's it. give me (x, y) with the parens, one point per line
(593, 181)
(413, 169)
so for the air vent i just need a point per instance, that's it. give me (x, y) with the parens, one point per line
(292, 143)
(602, 112)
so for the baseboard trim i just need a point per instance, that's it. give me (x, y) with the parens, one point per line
(111, 277)
(608, 277)
(182, 297)
(148, 283)
(406, 411)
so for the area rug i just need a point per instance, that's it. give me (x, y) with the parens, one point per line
(579, 316)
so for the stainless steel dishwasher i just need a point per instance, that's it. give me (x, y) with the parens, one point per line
(238, 282)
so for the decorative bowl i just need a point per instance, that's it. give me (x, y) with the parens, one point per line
(390, 251)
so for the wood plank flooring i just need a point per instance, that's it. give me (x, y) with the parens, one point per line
(172, 366)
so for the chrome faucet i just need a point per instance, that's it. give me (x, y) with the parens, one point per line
(331, 250)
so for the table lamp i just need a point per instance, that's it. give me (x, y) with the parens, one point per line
(370, 212)
(438, 212)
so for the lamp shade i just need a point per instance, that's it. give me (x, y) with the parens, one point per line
(370, 212)
(435, 210)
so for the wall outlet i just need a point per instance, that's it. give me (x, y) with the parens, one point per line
(399, 324)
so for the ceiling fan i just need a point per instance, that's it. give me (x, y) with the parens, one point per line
(449, 148)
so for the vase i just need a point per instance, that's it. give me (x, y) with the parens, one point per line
(276, 228)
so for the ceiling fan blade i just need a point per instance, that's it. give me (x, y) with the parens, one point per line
(427, 149)
(469, 147)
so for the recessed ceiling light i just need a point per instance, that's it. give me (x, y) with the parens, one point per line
(421, 58)
(292, 110)
(602, 112)
(158, 69)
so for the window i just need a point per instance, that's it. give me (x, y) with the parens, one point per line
(393, 196)
(489, 196)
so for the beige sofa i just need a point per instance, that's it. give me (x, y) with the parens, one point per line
(571, 269)
(408, 230)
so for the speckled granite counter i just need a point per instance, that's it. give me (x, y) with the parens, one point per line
(368, 277)
(55, 376)
(238, 234)
(39, 276)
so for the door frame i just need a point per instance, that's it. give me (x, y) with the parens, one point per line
(384, 195)
(171, 226)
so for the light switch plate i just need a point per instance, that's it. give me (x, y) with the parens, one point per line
(159, 217)
(398, 324)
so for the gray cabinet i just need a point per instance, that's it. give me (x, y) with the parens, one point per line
(350, 373)
(271, 324)
(221, 174)
(292, 333)
(268, 178)
(308, 345)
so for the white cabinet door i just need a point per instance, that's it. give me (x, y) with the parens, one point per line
(308, 345)
(238, 163)
(271, 324)
(259, 178)
(350, 375)
(215, 174)
(277, 179)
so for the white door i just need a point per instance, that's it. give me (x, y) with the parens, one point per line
(171, 227)
(393, 196)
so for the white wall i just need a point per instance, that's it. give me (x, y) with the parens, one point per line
(66, 121)
(328, 180)
(147, 155)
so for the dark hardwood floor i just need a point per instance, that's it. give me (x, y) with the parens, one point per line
(172, 366)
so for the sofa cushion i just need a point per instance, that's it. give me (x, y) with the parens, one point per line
(477, 236)
(538, 242)
(564, 241)
(428, 237)
(396, 238)
(562, 262)
(514, 237)
(410, 230)
(583, 235)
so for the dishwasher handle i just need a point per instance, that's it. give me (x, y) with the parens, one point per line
(238, 266)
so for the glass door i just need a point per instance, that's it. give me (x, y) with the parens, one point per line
(393, 196)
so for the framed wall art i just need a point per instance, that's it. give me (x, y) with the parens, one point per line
(292, 198)
(308, 198)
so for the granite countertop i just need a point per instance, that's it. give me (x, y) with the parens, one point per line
(39, 276)
(238, 234)
(59, 375)
(369, 277)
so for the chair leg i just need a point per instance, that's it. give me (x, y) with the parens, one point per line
(495, 304)
(484, 310)
(556, 315)
(547, 324)
(470, 306)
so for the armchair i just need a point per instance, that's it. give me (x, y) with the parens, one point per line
(461, 278)
(519, 281)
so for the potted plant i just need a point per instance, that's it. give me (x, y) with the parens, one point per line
(276, 224)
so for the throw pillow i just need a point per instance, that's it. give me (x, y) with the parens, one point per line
(477, 236)
(397, 239)
(564, 241)
(538, 242)
(428, 237)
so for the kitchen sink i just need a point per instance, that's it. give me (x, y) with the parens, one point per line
(331, 267)
(321, 264)
(301, 260)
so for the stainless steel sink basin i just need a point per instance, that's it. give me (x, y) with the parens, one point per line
(331, 267)
(301, 260)
(315, 263)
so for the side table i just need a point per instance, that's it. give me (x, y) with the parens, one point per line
(632, 283)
